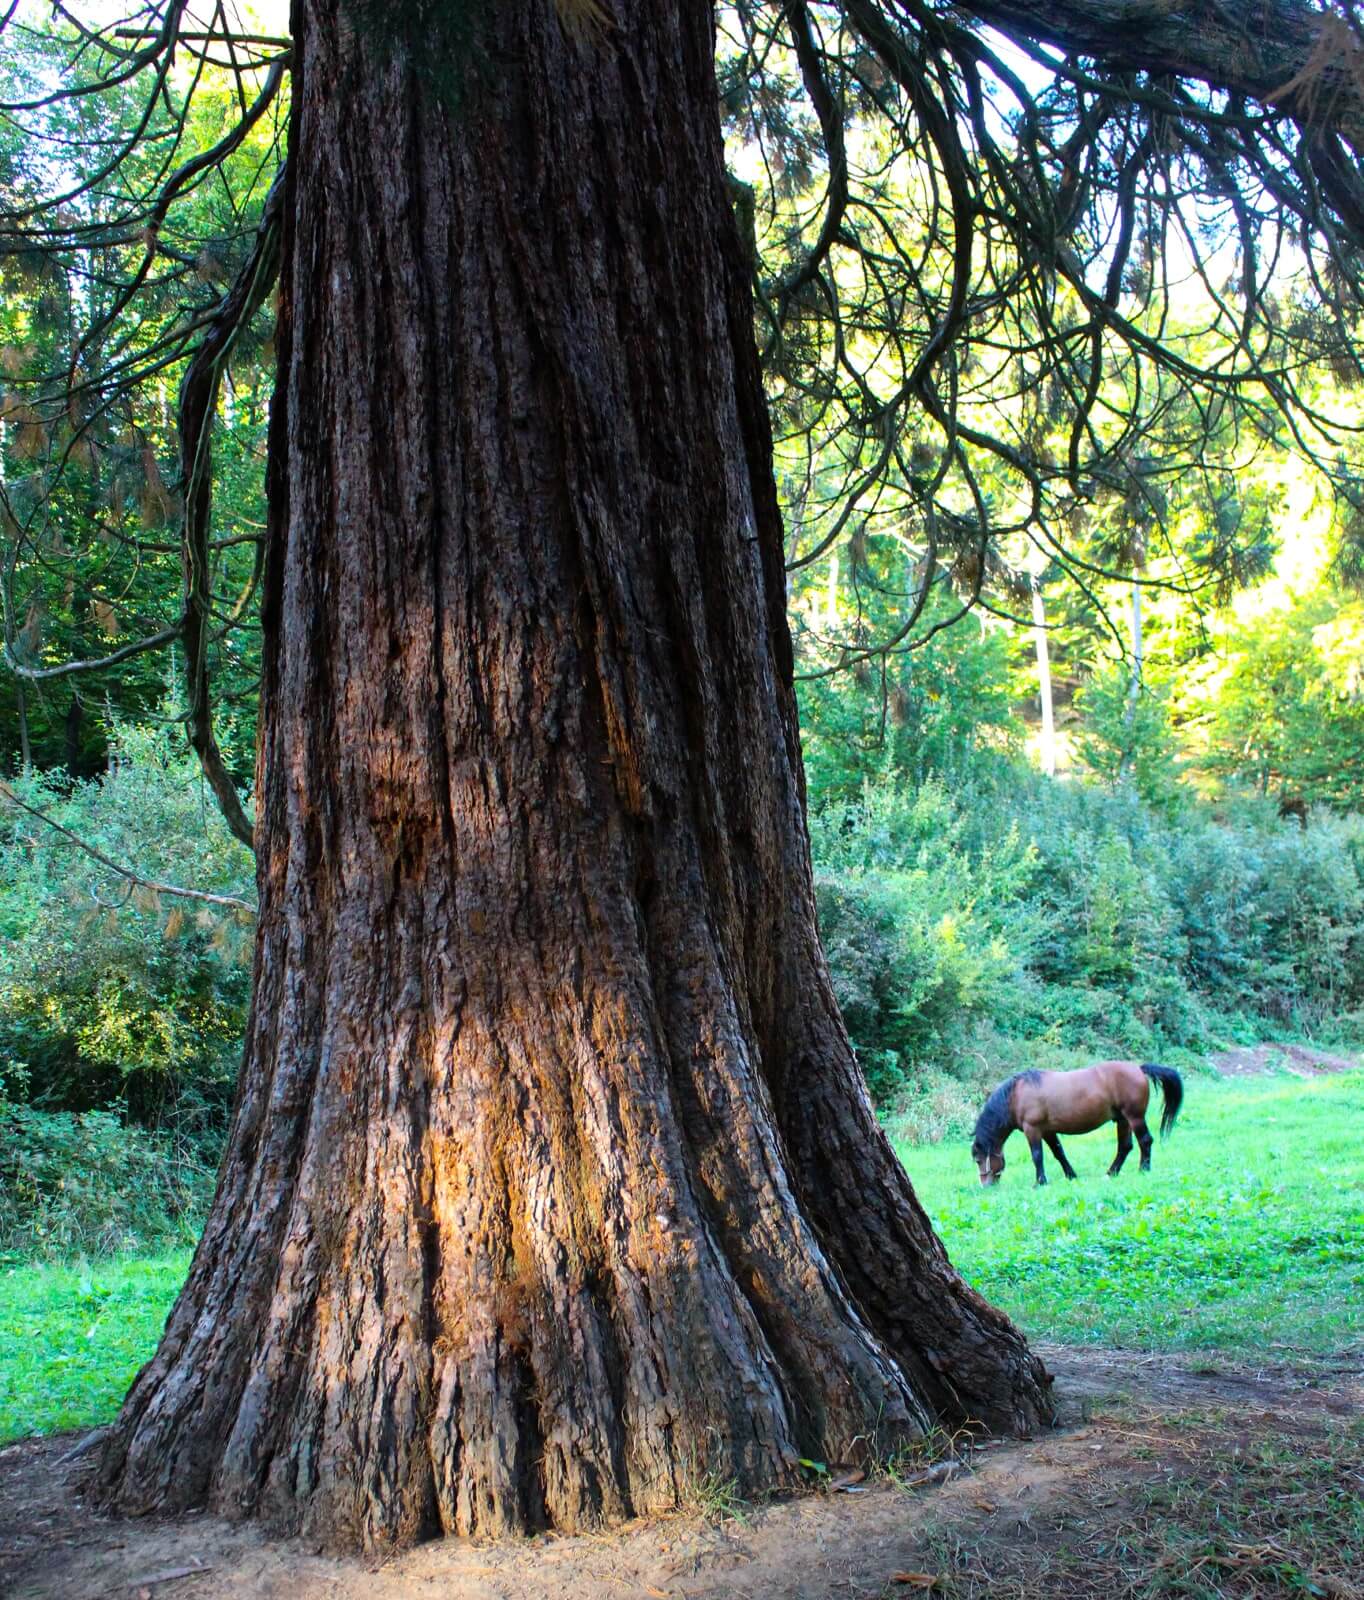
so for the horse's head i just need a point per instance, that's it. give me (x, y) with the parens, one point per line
(989, 1162)
(993, 1126)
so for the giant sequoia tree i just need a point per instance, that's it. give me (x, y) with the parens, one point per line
(553, 1185)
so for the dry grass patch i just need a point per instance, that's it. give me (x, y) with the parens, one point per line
(1211, 1505)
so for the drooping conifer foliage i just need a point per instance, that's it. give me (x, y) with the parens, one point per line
(1035, 289)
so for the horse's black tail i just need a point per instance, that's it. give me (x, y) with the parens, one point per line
(1171, 1087)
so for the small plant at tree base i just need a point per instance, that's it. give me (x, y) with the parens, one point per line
(717, 1500)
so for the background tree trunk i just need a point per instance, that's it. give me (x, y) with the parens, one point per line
(25, 748)
(1042, 652)
(1137, 671)
(553, 1185)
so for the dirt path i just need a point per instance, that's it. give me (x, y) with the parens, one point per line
(1301, 1060)
(1075, 1513)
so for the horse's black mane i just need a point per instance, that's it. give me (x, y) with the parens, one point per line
(995, 1122)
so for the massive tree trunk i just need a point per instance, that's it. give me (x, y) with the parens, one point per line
(553, 1186)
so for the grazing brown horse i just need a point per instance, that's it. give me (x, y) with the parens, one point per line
(1045, 1104)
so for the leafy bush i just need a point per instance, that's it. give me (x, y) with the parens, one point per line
(1128, 738)
(112, 995)
(906, 970)
(934, 1106)
(1312, 903)
(85, 1184)
(1289, 716)
(926, 938)
(1018, 921)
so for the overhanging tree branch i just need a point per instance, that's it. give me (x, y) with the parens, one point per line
(198, 403)
(969, 326)
(1273, 55)
(157, 886)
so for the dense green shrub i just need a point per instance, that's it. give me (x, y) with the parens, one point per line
(1222, 921)
(1127, 735)
(121, 1011)
(1312, 902)
(907, 971)
(112, 995)
(1018, 920)
(85, 1184)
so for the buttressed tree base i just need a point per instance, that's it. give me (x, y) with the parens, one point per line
(553, 1187)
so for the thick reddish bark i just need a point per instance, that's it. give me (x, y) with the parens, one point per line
(553, 1185)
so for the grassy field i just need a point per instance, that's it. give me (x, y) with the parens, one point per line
(72, 1338)
(1247, 1237)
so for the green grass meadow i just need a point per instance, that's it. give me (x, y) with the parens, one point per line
(1247, 1235)
(1246, 1238)
(73, 1337)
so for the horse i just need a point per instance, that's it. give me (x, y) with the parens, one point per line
(1044, 1104)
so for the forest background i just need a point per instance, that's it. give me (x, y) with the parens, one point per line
(1062, 805)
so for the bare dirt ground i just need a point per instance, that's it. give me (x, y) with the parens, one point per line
(1136, 1492)
(1250, 1061)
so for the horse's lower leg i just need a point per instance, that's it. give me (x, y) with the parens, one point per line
(1124, 1145)
(1036, 1147)
(1054, 1145)
(1145, 1140)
